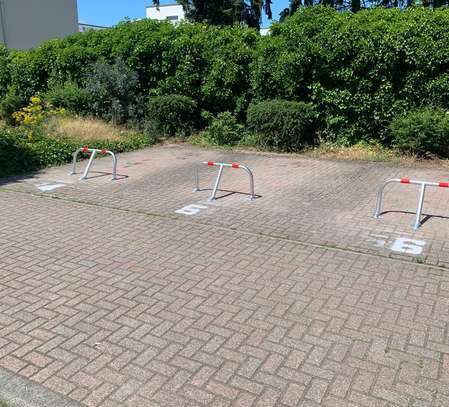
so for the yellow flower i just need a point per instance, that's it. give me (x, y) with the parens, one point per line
(36, 112)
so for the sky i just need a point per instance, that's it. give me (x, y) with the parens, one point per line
(110, 12)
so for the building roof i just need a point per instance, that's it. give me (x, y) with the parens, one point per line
(165, 5)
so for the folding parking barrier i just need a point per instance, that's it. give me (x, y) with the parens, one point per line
(220, 173)
(423, 184)
(93, 152)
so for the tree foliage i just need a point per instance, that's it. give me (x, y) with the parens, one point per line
(357, 5)
(225, 12)
(360, 70)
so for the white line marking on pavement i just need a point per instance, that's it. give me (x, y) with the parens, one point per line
(49, 187)
(380, 240)
(398, 244)
(192, 209)
(409, 246)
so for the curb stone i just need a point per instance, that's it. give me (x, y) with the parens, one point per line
(21, 392)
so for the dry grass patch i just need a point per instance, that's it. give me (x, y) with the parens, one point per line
(84, 129)
(360, 152)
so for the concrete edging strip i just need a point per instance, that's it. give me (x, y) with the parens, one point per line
(21, 392)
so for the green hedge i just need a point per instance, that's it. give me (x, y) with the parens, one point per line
(360, 70)
(223, 129)
(422, 132)
(69, 96)
(208, 64)
(171, 115)
(283, 125)
(19, 154)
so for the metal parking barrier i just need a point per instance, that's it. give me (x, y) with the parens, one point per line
(220, 173)
(424, 185)
(93, 152)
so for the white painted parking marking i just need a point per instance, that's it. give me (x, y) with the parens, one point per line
(401, 244)
(49, 187)
(190, 210)
(407, 245)
(380, 240)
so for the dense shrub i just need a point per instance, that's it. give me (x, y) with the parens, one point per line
(4, 70)
(360, 70)
(223, 129)
(114, 92)
(226, 81)
(28, 72)
(283, 125)
(15, 156)
(23, 151)
(9, 104)
(68, 96)
(171, 115)
(422, 132)
(36, 112)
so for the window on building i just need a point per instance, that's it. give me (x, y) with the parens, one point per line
(172, 18)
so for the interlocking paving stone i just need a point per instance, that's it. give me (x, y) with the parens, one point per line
(110, 298)
(324, 202)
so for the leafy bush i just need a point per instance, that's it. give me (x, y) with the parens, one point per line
(21, 153)
(29, 71)
(36, 112)
(68, 96)
(422, 132)
(15, 156)
(171, 115)
(8, 105)
(4, 71)
(360, 70)
(209, 64)
(223, 129)
(226, 81)
(114, 92)
(283, 125)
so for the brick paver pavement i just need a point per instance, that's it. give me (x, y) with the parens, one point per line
(111, 298)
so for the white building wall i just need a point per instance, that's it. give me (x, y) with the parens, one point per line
(26, 23)
(171, 12)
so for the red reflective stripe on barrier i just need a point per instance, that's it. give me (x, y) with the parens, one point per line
(444, 184)
(235, 165)
(210, 163)
(103, 151)
(405, 180)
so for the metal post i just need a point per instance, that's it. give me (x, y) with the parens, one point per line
(75, 157)
(93, 152)
(217, 183)
(197, 180)
(220, 172)
(379, 201)
(379, 198)
(114, 165)
(420, 206)
(380, 195)
(251, 181)
(424, 185)
(89, 164)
